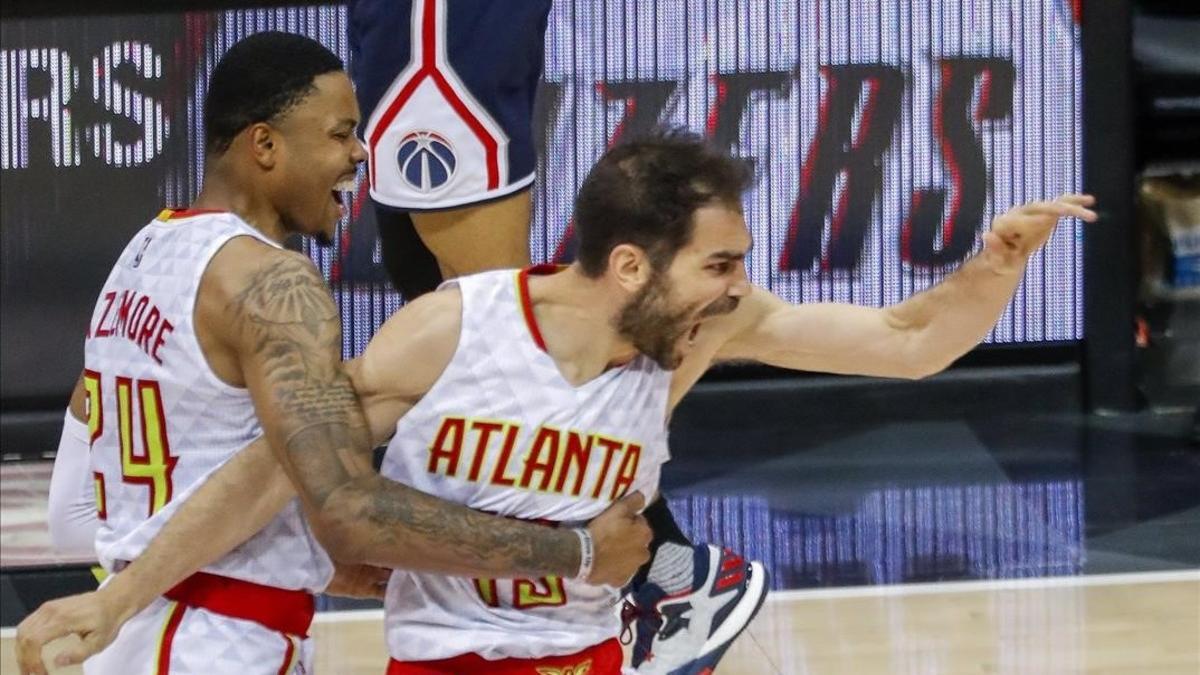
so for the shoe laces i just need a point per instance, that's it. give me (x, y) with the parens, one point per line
(630, 613)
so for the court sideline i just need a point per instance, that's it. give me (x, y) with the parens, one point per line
(1145, 623)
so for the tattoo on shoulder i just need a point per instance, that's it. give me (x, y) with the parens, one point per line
(288, 292)
(292, 329)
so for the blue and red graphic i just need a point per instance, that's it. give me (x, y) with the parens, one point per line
(426, 161)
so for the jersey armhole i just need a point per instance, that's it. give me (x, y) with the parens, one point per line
(210, 254)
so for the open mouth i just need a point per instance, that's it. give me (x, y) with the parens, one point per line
(691, 335)
(341, 193)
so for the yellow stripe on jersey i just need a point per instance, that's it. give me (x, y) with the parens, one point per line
(295, 649)
(172, 607)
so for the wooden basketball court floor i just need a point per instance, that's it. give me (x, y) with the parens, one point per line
(1142, 623)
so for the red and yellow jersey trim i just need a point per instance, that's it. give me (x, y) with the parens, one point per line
(176, 214)
(166, 636)
(527, 304)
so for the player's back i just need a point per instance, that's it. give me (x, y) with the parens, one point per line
(160, 419)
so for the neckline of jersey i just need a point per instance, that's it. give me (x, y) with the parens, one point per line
(176, 214)
(535, 331)
(527, 303)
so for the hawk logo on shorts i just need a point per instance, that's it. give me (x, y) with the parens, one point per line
(426, 161)
(577, 669)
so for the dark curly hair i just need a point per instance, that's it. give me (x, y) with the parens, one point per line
(259, 79)
(645, 191)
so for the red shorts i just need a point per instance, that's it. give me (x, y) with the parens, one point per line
(602, 659)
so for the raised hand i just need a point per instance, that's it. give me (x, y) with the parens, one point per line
(622, 539)
(1018, 232)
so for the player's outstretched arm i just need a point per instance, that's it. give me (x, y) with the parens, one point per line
(235, 502)
(283, 324)
(917, 337)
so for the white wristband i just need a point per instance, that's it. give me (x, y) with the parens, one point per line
(587, 553)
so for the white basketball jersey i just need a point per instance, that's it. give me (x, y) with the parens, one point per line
(160, 420)
(502, 431)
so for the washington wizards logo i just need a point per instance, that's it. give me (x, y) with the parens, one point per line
(426, 161)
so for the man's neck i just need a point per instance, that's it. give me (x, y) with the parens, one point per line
(576, 316)
(224, 192)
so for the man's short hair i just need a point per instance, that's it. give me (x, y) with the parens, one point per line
(259, 79)
(645, 192)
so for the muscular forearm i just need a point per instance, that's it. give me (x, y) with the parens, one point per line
(948, 320)
(290, 345)
(234, 503)
(387, 524)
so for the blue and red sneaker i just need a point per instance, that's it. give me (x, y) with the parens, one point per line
(688, 633)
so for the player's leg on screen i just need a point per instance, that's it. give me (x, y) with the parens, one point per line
(480, 237)
(409, 263)
(690, 601)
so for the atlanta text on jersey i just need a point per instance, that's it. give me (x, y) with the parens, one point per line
(552, 458)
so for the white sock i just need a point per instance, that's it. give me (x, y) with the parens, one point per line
(672, 568)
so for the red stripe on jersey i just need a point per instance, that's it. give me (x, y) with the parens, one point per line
(287, 655)
(174, 214)
(168, 636)
(281, 610)
(605, 657)
(527, 304)
(527, 307)
(428, 68)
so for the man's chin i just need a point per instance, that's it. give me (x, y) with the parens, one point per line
(668, 361)
(323, 239)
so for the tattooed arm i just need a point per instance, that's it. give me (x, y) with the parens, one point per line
(286, 331)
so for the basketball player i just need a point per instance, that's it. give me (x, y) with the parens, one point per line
(449, 91)
(544, 394)
(590, 361)
(206, 329)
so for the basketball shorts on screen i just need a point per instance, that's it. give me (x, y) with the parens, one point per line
(447, 89)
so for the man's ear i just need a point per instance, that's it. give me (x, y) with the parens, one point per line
(630, 266)
(264, 144)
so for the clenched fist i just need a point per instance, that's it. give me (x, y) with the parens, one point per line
(622, 539)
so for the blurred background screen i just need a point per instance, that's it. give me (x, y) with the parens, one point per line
(882, 143)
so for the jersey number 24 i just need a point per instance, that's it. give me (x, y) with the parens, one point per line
(152, 466)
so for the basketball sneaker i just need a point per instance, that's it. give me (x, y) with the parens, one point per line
(687, 633)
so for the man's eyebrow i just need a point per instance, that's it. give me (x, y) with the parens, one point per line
(727, 255)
